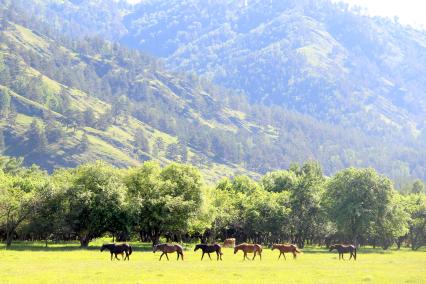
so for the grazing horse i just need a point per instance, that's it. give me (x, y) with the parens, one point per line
(229, 243)
(168, 248)
(249, 248)
(343, 249)
(286, 248)
(210, 248)
(118, 249)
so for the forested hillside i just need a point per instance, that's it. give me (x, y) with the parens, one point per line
(67, 100)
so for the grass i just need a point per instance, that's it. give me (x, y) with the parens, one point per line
(66, 263)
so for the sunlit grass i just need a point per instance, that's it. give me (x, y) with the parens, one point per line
(32, 263)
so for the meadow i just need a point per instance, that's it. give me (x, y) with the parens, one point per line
(67, 263)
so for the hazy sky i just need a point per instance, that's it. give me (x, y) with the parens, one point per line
(412, 12)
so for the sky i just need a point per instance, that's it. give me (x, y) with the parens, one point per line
(410, 12)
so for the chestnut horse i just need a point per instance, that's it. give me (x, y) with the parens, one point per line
(343, 249)
(249, 248)
(118, 249)
(229, 243)
(210, 248)
(286, 248)
(168, 248)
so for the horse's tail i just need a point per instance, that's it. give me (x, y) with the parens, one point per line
(130, 250)
(297, 250)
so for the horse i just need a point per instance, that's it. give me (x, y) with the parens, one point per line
(343, 249)
(208, 249)
(249, 248)
(286, 248)
(118, 249)
(229, 243)
(168, 248)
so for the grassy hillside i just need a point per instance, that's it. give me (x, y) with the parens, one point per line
(91, 99)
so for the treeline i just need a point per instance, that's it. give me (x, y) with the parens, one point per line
(298, 205)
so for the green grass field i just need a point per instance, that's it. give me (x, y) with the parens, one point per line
(32, 263)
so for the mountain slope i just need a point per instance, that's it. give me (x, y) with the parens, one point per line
(97, 100)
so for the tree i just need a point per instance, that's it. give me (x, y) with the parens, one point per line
(358, 199)
(2, 143)
(168, 200)
(37, 137)
(416, 208)
(89, 117)
(305, 201)
(19, 198)
(85, 143)
(172, 152)
(4, 103)
(418, 187)
(141, 142)
(95, 195)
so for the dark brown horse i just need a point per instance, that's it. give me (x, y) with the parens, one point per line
(168, 248)
(209, 249)
(118, 249)
(286, 248)
(249, 248)
(344, 249)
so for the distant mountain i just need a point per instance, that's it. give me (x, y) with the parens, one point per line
(313, 94)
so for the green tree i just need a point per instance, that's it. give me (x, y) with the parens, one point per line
(19, 198)
(418, 187)
(2, 142)
(85, 143)
(95, 195)
(358, 199)
(305, 201)
(416, 208)
(168, 200)
(4, 103)
(37, 137)
(141, 142)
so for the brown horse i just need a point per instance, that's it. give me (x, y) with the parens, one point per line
(249, 248)
(229, 243)
(209, 249)
(286, 248)
(118, 249)
(168, 248)
(343, 249)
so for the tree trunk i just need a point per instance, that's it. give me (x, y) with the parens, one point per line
(84, 241)
(9, 239)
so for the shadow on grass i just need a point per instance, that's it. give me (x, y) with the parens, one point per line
(56, 247)
(145, 247)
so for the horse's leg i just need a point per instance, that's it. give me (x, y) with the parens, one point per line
(285, 258)
(279, 255)
(202, 256)
(260, 255)
(209, 256)
(350, 255)
(244, 256)
(254, 255)
(111, 256)
(116, 256)
(167, 256)
(162, 255)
